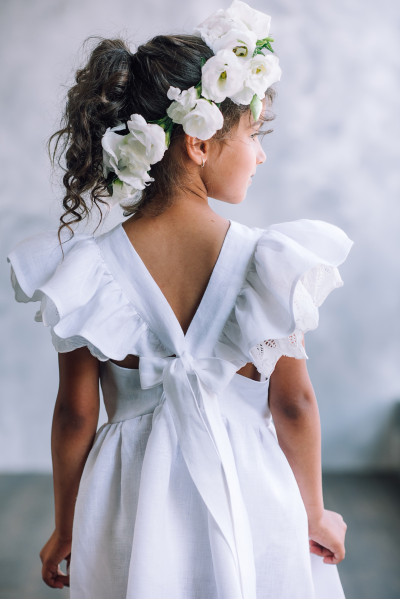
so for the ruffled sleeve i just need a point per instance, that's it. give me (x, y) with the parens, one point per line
(293, 270)
(80, 301)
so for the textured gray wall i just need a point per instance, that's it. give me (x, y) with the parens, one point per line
(334, 156)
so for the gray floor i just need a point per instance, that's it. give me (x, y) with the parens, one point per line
(370, 505)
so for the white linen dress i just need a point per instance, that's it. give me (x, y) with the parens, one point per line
(186, 492)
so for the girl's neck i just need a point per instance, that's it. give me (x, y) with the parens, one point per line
(187, 206)
(187, 213)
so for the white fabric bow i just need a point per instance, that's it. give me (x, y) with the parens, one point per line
(191, 388)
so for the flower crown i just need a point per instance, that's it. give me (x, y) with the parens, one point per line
(239, 70)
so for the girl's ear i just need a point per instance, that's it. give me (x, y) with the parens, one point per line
(196, 149)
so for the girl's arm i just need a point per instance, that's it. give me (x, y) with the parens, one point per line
(295, 413)
(74, 426)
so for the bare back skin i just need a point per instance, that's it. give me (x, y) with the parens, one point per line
(180, 253)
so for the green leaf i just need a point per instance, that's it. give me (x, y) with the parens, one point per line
(255, 107)
(163, 122)
(264, 40)
(261, 44)
(112, 180)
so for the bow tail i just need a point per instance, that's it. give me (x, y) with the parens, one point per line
(208, 454)
(240, 519)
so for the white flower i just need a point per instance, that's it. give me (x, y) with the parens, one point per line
(216, 26)
(203, 121)
(262, 72)
(254, 20)
(240, 42)
(243, 96)
(110, 142)
(184, 101)
(222, 76)
(130, 156)
(128, 166)
(148, 140)
(239, 17)
(174, 93)
(120, 158)
(122, 192)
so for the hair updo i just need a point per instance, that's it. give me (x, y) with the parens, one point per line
(112, 86)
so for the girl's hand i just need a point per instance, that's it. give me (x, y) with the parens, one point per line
(52, 554)
(327, 537)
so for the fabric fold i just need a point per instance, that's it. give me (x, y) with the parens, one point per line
(80, 300)
(293, 271)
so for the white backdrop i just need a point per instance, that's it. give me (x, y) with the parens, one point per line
(334, 155)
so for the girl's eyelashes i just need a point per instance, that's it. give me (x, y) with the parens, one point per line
(258, 133)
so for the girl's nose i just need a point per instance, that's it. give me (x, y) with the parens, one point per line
(261, 156)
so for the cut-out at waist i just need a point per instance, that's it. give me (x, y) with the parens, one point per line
(132, 362)
(129, 362)
(125, 399)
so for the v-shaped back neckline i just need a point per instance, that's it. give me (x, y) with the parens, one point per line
(157, 292)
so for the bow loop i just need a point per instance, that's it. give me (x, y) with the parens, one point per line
(151, 370)
(214, 373)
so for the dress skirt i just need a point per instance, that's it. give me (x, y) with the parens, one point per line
(141, 528)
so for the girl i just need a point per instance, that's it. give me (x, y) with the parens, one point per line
(206, 480)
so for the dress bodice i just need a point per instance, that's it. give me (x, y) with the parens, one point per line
(124, 398)
(263, 293)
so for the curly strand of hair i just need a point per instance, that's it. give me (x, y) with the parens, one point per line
(98, 100)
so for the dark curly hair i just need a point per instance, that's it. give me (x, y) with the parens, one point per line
(113, 85)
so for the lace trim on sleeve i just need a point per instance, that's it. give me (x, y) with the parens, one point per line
(266, 354)
(310, 292)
